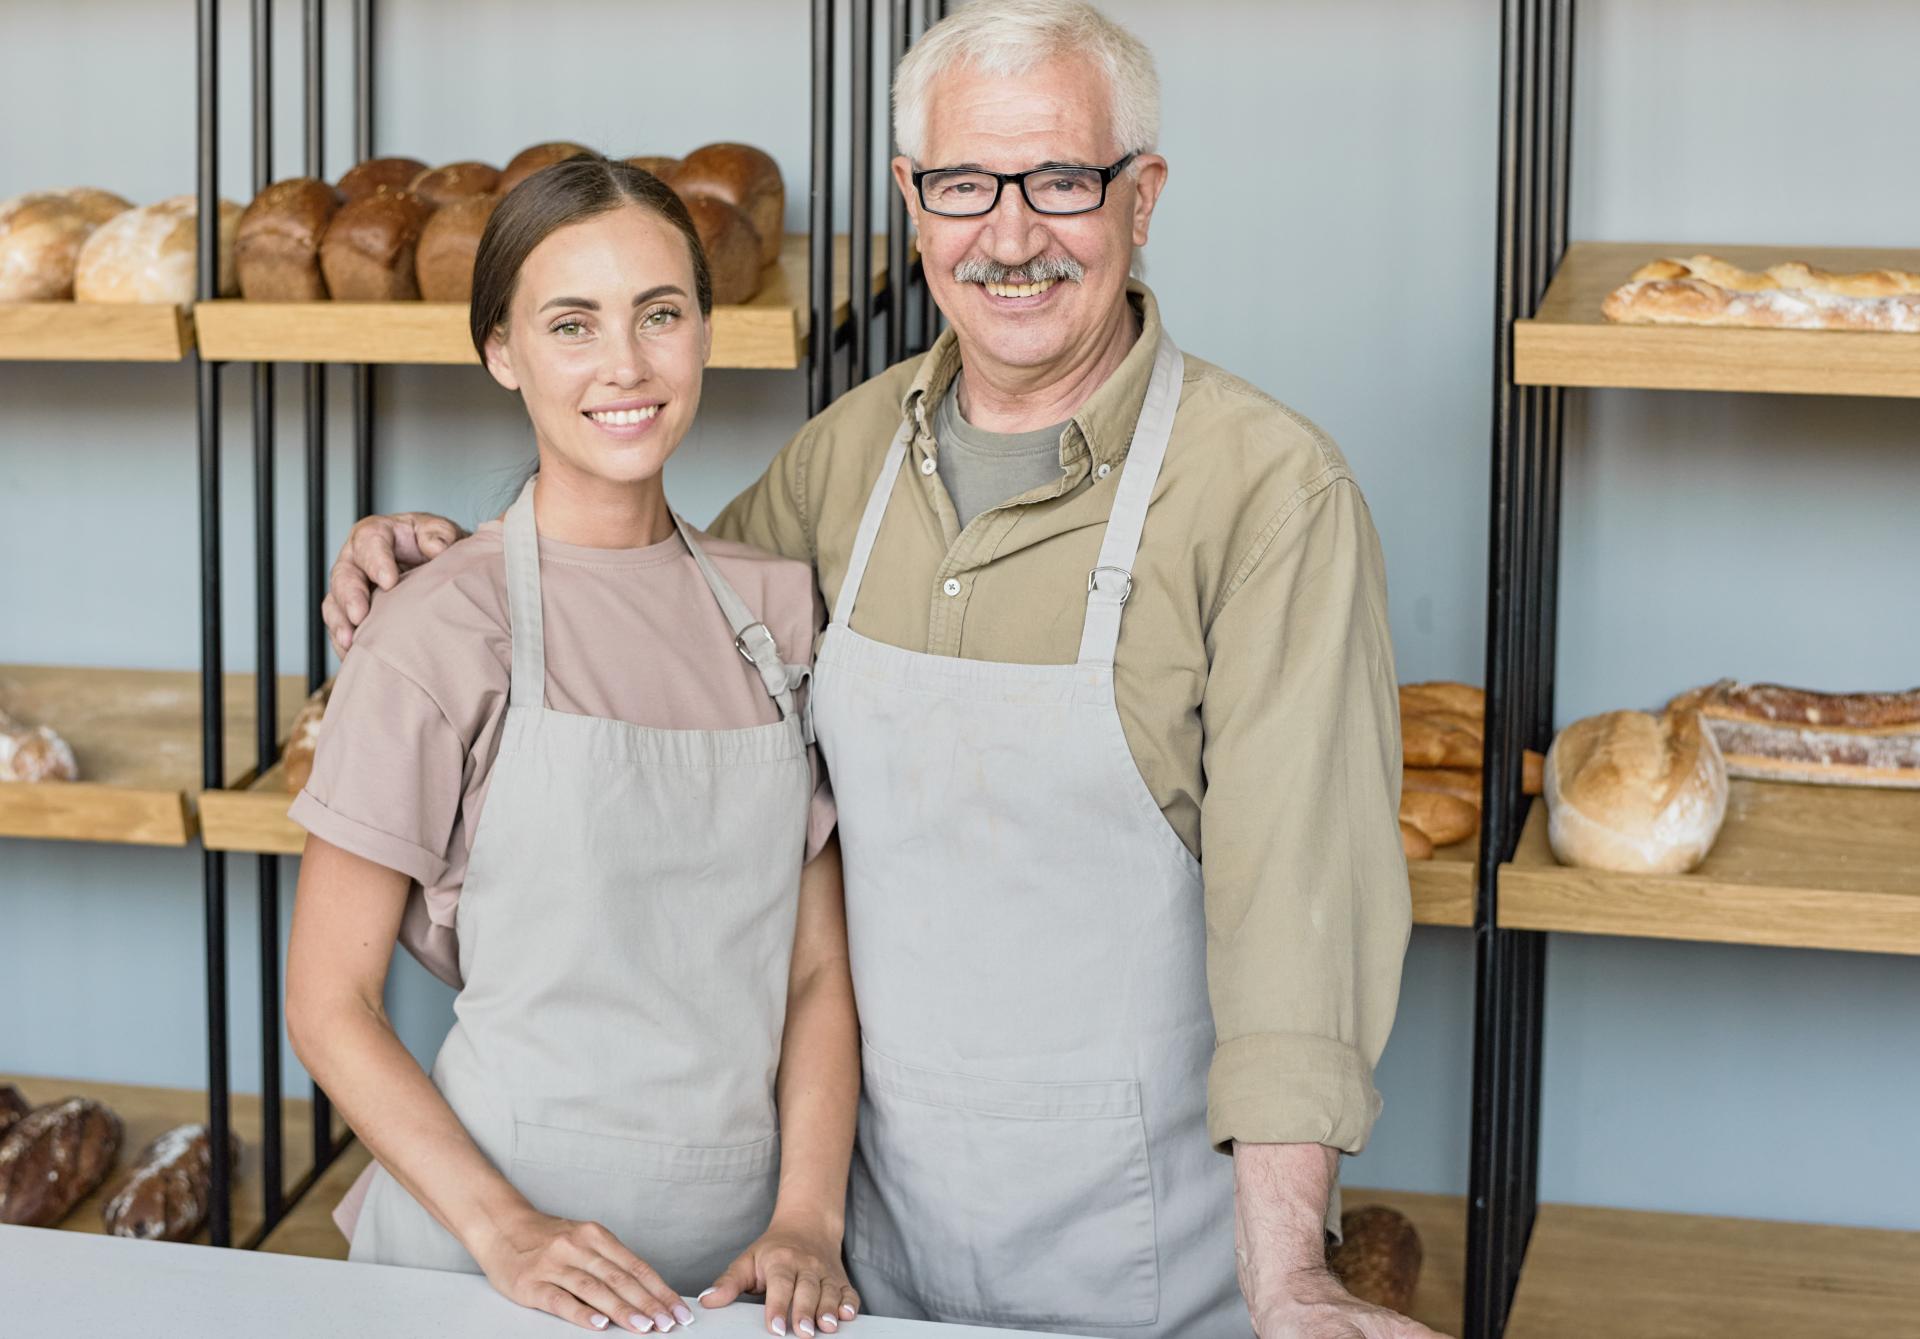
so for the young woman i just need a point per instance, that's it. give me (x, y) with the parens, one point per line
(569, 765)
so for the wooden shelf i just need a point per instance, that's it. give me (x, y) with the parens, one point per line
(1569, 343)
(309, 1229)
(1616, 1273)
(768, 332)
(1834, 867)
(147, 1112)
(1443, 886)
(251, 817)
(136, 735)
(95, 332)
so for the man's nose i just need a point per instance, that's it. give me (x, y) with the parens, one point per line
(1014, 232)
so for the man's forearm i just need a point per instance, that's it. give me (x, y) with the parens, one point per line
(1280, 1212)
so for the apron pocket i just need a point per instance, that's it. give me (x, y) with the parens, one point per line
(687, 1211)
(1007, 1202)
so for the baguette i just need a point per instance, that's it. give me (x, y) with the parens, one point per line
(54, 1157)
(1705, 290)
(1445, 819)
(1415, 843)
(1463, 783)
(168, 1193)
(1439, 740)
(1773, 733)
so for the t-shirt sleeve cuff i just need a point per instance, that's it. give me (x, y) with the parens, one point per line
(382, 848)
(1290, 1088)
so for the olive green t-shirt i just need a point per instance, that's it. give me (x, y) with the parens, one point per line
(982, 469)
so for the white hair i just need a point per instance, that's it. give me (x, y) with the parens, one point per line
(1011, 37)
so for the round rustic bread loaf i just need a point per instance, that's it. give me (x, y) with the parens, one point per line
(657, 164)
(96, 204)
(379, 174)
(277, 251)
(441, 186)
(534, 157)
(368, 252)
(1635, 793)
(41, 234)
(149, 254)
(732, 247)
(447, 246)
(746, 178)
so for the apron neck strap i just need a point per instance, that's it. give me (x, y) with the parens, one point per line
(529, 687)
(750, 636)
(870, 524)
(1111, 581)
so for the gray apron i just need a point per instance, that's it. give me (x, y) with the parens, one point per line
(625, 929)
(1029, 952)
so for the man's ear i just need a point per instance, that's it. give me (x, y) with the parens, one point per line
(1149, 179)
(903, 178)
(500, 361)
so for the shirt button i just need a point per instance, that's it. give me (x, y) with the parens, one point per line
(1104, 470)
(927, 466)
(952, 586)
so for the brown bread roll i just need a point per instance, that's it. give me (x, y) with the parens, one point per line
(379, 174)
(657, 164)
(168, 1193)
(746, 178)
(150, 255)
(54, 1157)
(1634, 793)
(732, 247)
(1378, 1258)
(303, 739)
(441, 186)
(368, 252)
(41, 235)
(13, 1105)
(447, 247)
(1444, 818)
(531, 159)
(1415, 843)
(277, 250)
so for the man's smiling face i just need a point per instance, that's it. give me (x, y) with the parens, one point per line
(988, 274)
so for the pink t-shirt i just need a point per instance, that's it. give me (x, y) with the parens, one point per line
(634, 635)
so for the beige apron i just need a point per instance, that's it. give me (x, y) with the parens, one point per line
(625, 929)
(1028, 950)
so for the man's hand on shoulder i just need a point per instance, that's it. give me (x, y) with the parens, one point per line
(377, 551)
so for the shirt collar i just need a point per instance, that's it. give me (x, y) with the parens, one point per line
(1103, 427)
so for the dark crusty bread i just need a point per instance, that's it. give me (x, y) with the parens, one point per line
(531, 159)
(379, 174)
(368, 252)
(441, 186)
(447, 245)
(732, 247)
(657, 164)
(277, 250)
(54, 1157)
(746, 178)
(1378, 1258)
(168, 1193)
(13, 1105)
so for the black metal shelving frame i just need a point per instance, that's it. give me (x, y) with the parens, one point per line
(903, 306)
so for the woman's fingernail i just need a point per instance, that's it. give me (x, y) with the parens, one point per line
(663, 1322)
(805, 1327)
(681, 1314)
(598, 1322)
(847, 1311)
(779, 1324)
(828, 1323)
(705, 1294)
(641, 1325)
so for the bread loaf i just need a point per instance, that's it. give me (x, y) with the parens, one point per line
(1773, 733)
(1439, 740)
(296, 763)
(1379, 1256)
(41, 235)
(1415, 843)
(13, 1105)
(54, 1157)
(447, 247)
(150, 254)
(368, 252)
(1463, 783)
(277, 249)
(531, 159)
(746, 178)
(1705, 290)
(34, 754)
(376, 175)
(1445, 819)
(441, 186)
(1634, 793)
(656, 164)
(168, 1193)
(732, 247)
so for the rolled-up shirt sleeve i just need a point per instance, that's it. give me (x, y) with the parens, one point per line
(1307, 904)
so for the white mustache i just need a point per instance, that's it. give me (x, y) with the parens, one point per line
(979, 270)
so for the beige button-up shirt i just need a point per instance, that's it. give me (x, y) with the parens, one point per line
(1254, 679)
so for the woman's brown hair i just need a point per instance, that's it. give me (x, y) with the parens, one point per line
(578, 188)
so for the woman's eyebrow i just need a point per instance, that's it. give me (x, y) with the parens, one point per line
(657, 291)
(588, 303)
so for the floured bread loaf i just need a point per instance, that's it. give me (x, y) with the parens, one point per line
(41, 235)
(34, 753)
(1704, 290)
(1634, 793)
(303, 740)
(148, 255)
(167, 1196)
(1773, 733)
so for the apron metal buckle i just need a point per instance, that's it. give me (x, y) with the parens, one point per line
(1093, 581)
(753, 655)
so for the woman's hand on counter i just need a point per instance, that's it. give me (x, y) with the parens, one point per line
(799, 1271)
(579, 1272)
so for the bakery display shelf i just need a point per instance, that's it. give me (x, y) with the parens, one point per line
(251, 816)
(1795, 866)
(147, 1112)
(1569, 343)
(1602, 1273)
(136, 736)
(95, 332)
(308, 1228)
(1443, 886)
(768, 332)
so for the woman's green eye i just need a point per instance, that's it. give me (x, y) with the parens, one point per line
(569, 328)
(660, 316)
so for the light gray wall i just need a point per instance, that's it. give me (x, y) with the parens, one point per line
(1327, 234)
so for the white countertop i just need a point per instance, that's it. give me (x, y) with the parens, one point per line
(54, 1284)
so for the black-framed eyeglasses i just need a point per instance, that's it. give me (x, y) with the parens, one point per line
(966, 192)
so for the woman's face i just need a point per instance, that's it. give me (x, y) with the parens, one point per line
(605, 342)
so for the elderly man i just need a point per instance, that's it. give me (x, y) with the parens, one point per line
(1108, 702)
